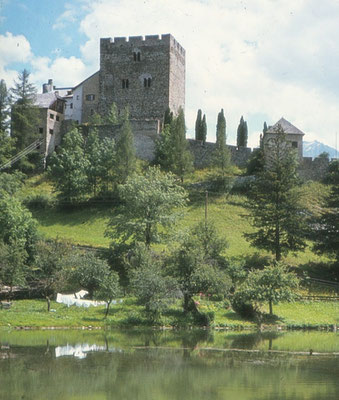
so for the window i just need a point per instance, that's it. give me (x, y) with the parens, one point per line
(51, 131)
(92, 111)
(136, 56)
(51, 116)
(90, 97)
(295, 145)
(77, 97)
(71, 105)
(147, 82)
(57, 117)
(41, 130)
(125, 83)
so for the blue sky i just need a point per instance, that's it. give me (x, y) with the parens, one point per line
(262, 59)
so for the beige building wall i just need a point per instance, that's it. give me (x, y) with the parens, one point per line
(90, 97)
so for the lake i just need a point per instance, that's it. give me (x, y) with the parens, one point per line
(140, 365)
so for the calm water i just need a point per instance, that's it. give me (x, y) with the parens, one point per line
(74, 365)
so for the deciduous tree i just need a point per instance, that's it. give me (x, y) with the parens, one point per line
(68, 168)
(199, 266)
(150, 201)
(271, 285)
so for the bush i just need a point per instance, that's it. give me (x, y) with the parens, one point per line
(204, 319)
(242, 306)
(39, 202)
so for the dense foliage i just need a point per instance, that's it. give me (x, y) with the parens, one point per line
(273, 201)
(150, 201)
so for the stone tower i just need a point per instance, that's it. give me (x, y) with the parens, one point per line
(145, 74)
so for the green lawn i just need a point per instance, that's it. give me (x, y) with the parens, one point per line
(33, 313)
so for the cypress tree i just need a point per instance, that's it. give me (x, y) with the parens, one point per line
(125, 163)
(203, 129)
(222, 156)
(242, 133)
(168, 118)
(265, 128)
(181, 158)
(198, 126)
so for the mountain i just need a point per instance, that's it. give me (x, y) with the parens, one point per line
(313, 149)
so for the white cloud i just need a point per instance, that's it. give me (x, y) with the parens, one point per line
(257, 58)
(64, 71)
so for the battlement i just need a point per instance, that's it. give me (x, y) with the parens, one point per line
(106, 44)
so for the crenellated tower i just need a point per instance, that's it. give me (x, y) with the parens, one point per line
(147, 74)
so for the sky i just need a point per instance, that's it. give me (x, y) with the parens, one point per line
(260, 59)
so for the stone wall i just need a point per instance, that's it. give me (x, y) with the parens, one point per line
(204, 153)
(147, 131)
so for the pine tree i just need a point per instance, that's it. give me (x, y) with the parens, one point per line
(222, 155)
(4, 106)
(198, 122)
(25, 115)
(274, 202)
(242, 133)
(327, 232)
(125, 162)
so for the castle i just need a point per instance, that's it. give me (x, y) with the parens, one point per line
(147, 75)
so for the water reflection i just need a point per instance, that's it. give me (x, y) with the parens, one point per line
(157, 365)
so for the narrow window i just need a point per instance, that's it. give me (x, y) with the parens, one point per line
(51, 132)
(125, 83)
(147, 82)
(77, 97)
(136, 56)
(41, 130)
(71, 105)
(92, 111)
(295, 145)
(51, 116)
(57, 117)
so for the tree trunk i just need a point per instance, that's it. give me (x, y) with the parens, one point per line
(107, 308)
(48, 303)
(271, 307)
(189, 304)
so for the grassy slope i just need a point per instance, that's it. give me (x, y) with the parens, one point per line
(86, 226)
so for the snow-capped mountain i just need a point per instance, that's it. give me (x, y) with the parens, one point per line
(313, 149)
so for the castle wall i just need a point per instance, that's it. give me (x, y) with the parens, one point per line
(145, 74)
